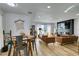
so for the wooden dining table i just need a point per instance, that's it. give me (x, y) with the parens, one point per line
(27, 39)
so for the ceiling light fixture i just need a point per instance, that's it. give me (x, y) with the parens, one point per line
(77, 14)
(11, 4)
(69, 8)
(48, 6)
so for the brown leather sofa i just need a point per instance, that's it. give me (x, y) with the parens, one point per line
(66, 39)
(47, 39)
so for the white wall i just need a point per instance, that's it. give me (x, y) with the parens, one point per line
(9, 22)
(1, 31)
(76, 27)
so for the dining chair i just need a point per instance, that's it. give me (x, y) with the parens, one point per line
(10, 43)
(20, 45)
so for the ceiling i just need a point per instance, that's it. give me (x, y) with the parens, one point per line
(40, 12)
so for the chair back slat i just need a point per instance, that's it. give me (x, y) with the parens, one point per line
(19, 40)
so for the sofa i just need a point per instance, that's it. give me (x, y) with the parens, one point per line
(48, 39)
(66, 39)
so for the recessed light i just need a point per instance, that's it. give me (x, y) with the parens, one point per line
(69, 8)
(12, 4)
(48, 6)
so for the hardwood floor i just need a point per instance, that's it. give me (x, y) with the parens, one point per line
(53, 49)
(57, 50)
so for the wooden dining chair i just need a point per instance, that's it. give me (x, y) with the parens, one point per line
(10, 43)
(20, 45)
